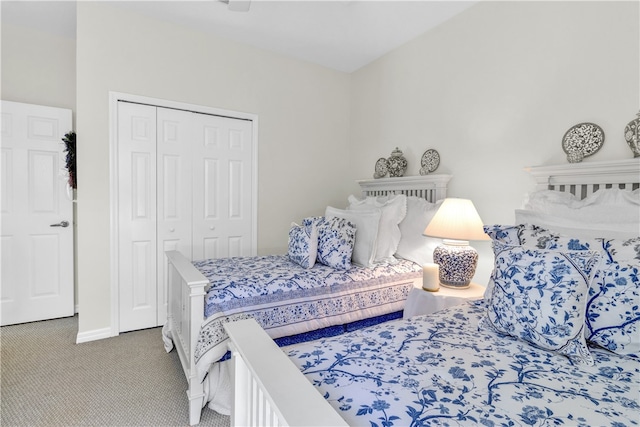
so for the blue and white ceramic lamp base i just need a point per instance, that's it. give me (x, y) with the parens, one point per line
(457, 263)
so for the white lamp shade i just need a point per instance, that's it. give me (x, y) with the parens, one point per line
(456, 219)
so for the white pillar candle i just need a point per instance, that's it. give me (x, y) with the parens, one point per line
(430, 277)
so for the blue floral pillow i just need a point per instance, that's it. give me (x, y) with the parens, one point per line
(613, 309)
(503, 233)
(539, 296)
(500, 233)
(303, 244)
(336, 238)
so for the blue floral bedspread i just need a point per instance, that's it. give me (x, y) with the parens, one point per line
(441, 370)
(286, 299)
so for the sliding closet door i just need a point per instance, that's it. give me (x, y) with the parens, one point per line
(137, 260)
(223, 188)
(175, 140)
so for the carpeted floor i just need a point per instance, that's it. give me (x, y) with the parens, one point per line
(129, 380)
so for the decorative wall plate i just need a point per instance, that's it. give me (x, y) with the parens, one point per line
(381, 168)
(584, 137)
(429, 162)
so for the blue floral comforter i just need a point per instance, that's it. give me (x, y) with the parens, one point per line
(287, 299)
(441, 370)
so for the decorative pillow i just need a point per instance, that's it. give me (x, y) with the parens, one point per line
(503, 233)
(413, 245)
(366, 223)
(615, 249)
(613, 309)
(393, 210)
(336, 238)
(613, 314)
(303, 244)
(507, 234)
(540, 296)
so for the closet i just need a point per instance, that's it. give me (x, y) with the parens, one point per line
(184, 182)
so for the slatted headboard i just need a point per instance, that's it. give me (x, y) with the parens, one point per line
(583, 179)
(429, 187)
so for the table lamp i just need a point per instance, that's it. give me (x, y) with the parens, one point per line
(456, 222)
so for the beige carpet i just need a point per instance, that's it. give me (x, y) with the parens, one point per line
(129, 380)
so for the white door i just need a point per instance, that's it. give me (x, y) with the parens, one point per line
(175, 140)
(222, 194)
(37, 215)
(137, 272)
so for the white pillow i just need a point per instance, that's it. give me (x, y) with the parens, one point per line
(607, 205)
(393, 211)
(575, 226)
(413, 245)
(366, 223)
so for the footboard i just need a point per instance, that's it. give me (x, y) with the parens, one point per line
(184, 318)
(268, 388)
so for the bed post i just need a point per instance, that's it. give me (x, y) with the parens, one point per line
(184, 318)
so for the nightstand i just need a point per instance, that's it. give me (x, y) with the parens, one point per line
(420, 301)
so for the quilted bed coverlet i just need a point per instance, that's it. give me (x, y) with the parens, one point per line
(441, 369)
(287, 299)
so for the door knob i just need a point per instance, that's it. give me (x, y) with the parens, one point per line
(60, 224)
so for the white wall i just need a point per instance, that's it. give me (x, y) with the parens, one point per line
(37, 67)
(494, 90)
(303, 114)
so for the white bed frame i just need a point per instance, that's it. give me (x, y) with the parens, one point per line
(262, 400)
(187, 286)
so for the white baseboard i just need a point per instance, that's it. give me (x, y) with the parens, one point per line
(97, 334)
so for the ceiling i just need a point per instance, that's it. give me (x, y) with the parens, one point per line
(340, 34)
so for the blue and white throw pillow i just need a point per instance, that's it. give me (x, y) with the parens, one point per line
(303, 244)
(507, 234)
(336, 239)
(613, 309)
(503, 233)
(539, 296)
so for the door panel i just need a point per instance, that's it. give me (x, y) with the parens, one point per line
(37, 258)
(137, 242)
(174, 146)
(222, 193)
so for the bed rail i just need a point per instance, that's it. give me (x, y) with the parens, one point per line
(583, 179)
(186, 286)
(429, 187)
(268, 388)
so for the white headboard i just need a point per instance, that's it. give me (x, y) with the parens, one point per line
(429, 187)
(583, 179)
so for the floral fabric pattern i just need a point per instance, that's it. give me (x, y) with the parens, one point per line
(540, 297)
(613, 306)
(613, 309)
(303, 244)
(441, 370)
(336, 239)
(287, 299)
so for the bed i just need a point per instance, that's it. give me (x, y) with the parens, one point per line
(293, 297)
(555, 340)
